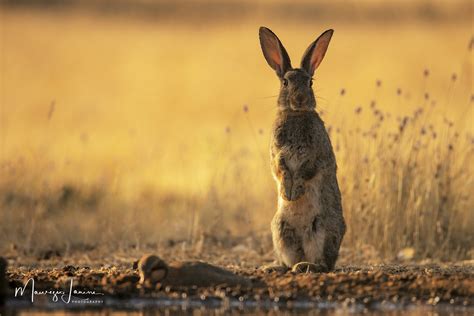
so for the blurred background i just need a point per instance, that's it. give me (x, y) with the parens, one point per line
(127, 124)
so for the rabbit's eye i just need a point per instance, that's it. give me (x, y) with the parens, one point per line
(285, 82)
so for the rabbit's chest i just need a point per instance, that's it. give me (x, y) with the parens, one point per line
(294, 141)
(293, 160)
(294, 134)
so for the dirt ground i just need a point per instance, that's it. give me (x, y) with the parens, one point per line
(359, 278)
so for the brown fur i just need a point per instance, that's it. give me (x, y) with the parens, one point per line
(308, 225)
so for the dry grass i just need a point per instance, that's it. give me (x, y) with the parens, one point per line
(119, 133)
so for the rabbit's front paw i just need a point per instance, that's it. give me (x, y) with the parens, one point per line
(287, 187)
(297, 191)
(292, 190)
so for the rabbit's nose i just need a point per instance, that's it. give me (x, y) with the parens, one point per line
(298, 99)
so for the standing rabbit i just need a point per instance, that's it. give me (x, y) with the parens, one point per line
(308, 226)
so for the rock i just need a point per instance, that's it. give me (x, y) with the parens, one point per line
(3, 281)
(201, 274)
(406, 254)
(151, 270)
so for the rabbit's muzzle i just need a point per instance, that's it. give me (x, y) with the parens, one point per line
(298, 100)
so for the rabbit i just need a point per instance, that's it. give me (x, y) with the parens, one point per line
(308, 227)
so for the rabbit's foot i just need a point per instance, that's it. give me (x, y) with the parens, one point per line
(308, 267)
(274, 267)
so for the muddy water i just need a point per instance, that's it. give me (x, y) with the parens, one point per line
(113, 306)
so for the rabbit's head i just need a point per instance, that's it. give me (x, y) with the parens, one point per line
(296, 92)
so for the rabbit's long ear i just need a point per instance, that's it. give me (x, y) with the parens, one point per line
(274, 52)
(314, 54)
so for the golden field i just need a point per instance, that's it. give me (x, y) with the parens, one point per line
(117, 132)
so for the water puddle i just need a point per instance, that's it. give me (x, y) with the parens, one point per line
(216, 306)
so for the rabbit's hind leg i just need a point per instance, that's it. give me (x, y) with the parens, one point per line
(288, 245)
(332, 244)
